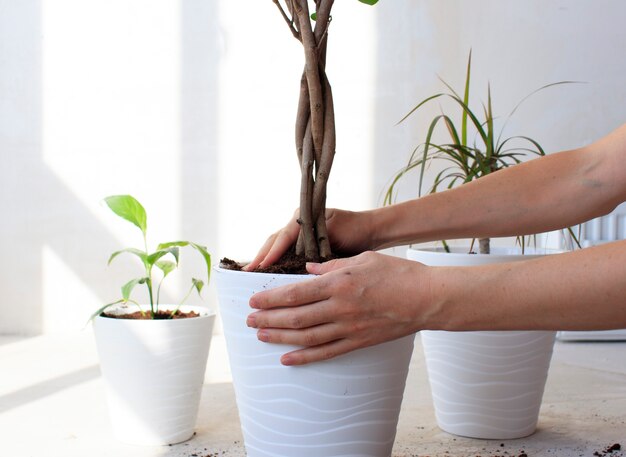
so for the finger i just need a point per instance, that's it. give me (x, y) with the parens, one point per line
(285, 239)
(262, 253)
(292, 318)
(317, 353)
(331, 265)
(302, 293)
(312, 336)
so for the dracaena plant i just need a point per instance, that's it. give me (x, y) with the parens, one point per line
(315, 120)
(474, 148)
(165, 258)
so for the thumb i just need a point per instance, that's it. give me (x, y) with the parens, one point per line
(331, 265)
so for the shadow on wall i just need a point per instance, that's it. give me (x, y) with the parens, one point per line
(40, 211)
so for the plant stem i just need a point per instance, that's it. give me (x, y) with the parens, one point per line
(149, 280)
(173, 313)
(158, 294)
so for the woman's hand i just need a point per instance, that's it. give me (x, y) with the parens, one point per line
(354, 303)
(349, 233)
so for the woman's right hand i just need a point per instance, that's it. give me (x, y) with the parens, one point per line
(349, 234)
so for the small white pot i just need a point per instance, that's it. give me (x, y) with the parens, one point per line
(347, 406)
(153, 371)
(485, 384)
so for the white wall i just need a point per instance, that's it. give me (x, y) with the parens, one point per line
(182, 103)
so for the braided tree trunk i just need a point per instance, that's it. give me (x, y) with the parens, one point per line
(315, 123)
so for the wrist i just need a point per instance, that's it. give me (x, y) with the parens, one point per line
(381, 221)
(435, 312)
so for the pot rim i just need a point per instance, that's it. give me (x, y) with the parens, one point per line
(121, 309)
(463, 250)
(220, 269)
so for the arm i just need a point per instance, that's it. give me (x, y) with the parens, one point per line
(372, 298)
(544, 194)
(579, 290)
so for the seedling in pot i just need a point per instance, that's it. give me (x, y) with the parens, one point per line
(165, 258)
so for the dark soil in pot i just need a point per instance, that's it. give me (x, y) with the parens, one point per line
(159, 315)
(289, 263)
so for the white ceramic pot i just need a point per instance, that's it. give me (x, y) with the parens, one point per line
(485, 384)
(153, 371)
(347, 406)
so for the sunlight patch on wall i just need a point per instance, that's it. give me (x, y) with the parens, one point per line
(111, 100)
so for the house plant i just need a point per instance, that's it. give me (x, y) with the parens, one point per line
(153, 357)
(345, 406)
(484, 384)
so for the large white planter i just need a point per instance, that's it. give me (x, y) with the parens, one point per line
(485, 384)
(347, 406)
(153, 371)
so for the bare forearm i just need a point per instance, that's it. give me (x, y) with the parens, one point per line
(582, 290)
(544, 194)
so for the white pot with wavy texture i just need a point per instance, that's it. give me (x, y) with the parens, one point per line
(153, 371)
(347, 406)
(486, 384)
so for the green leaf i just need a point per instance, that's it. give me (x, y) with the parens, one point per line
(170, 244)
(466, 100)
(369, 2)
(419, 105)
(127, 207)
(207, 258)
(138, 252)
(201, 249)
(102, 309)
(198, 284)
(314, 16)
(165, 266)
(152, 258)
(130, 285)
(489, 116)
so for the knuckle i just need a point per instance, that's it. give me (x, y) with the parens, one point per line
(356, 327)
(295, 321)
(368, 255)
(310, 338)
(328, 353)
(291, 295)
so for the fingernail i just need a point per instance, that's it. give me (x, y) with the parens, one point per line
(251, 321)
(252, 303)
(312, 267)
(262, 335)
(286, 360)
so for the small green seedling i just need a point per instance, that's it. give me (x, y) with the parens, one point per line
(165, 258)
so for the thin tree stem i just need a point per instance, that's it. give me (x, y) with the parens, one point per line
(290, 22)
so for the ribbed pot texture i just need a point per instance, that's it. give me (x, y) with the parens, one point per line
(347, 406)
(153, 371)
(485, 384)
